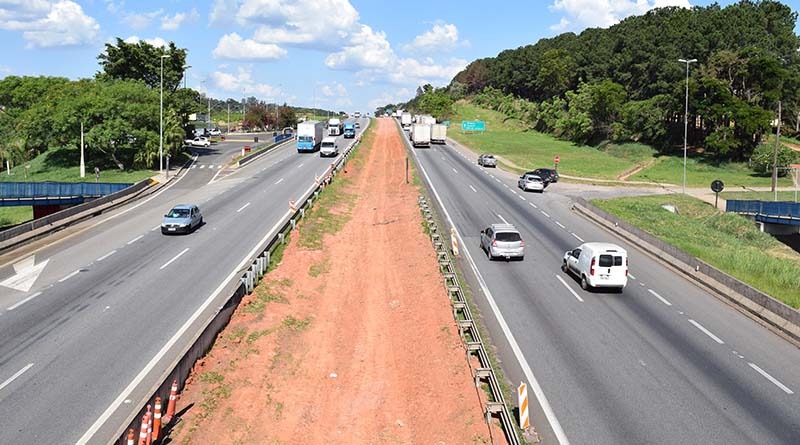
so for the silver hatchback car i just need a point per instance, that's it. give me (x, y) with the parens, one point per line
(183, 218)
(529, 182)
(487, 160)
(502, 241)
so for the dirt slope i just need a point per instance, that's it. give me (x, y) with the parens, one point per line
(356, 343)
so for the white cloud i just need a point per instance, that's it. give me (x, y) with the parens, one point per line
(221, 12)
(114, 7)
(400, 95)
(604, 13)
(442, 37)
(242, 82)
(47, 24)
(155, 41)
(141, 20)
(367, 49)
(335, 89)
(172, 23)
(232, 46)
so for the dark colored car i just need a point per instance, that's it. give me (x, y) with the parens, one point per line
(548, 175)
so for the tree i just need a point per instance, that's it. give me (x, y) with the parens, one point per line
(286, 117)
(142, 61)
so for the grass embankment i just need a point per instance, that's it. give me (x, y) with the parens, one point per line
(528, 149)
(762, 196)
(725, 240)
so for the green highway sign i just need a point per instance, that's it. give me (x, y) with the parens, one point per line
(473, 126)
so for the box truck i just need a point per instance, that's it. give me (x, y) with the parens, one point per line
(438, 133)
(421, 135)
(309, 136)
(405, 119)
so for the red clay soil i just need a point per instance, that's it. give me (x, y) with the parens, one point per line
(357, 344)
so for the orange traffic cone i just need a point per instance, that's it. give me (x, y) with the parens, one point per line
(173, 396)
(157, 420)
(143, 431)
(149, 415)
(131, 437)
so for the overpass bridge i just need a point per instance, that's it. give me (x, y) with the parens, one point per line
(50, 197)
(777, 218)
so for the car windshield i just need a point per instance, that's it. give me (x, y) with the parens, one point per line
(178, 213)
(507, 236)
(304, 139)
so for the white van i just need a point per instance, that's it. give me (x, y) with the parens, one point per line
(328, 147)
(598, 265)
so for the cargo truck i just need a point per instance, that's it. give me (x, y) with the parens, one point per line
(405, 119)
(349, 130)
(334, 127)
(427, 119)
(438, 133)
(309, 136)
(421, 135)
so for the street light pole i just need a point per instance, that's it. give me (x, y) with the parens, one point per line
(161, 119)
(185, 75)
(686, 119)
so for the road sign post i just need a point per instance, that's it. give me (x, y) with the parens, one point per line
(556, 160)
(716, 186)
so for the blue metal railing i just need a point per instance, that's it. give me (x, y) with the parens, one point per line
(767, 211)
(17, 190)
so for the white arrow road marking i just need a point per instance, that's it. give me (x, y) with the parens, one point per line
(26, 274)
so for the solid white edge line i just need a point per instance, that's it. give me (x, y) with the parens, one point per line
(560, 225)
(561, 436)
(174, 258)
(69, 276)
(20, 303)
(772, 379)
(178, 334)
(15, 376)
(706, 331)
(135, 239)
(107, 255)
(663, 300)
(243, 207)
(576, 236)
(473, 189)
(569, 289)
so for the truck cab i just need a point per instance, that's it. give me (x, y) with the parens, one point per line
(349, 130)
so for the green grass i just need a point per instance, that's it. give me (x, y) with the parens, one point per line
(700, 172)
(727, 241)
(49, 166)
(11, 216)
(762, 196)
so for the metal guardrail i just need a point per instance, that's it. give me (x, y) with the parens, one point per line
(278, 141)
(766, 211)
(204, 340)
(468, 331)
(58, 189)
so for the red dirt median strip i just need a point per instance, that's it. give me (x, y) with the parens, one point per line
(350, 340)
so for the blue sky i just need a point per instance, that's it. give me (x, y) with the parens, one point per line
(335, 54)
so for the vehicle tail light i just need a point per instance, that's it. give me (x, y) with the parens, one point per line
(494, 243)
(626, 266)
(522, 243)
(591, 268)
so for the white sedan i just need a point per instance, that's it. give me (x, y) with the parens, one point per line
(198, 142)
(530, 182)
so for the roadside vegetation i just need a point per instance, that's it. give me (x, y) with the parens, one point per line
(727, 241)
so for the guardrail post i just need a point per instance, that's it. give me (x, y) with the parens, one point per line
(281, 237)
(266, 257)
(292, 221)
(303, 211)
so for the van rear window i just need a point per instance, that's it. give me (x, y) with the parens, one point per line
(610, 260)
(507, 236)
(618, 261)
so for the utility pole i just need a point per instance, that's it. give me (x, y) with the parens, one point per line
(83, 165)
(228, 129)
(775, 155)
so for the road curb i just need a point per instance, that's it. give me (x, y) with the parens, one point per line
(764, 309)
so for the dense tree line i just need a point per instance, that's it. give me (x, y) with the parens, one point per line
(626, 83)
(118, 108)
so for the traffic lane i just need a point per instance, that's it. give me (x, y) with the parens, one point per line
(166, 289)
(469, 244)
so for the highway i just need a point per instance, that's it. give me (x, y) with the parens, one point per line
(99, 321)
(663, 362)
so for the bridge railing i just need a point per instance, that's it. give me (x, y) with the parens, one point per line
(58, 189)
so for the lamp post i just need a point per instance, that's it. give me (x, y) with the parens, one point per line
(686, 118)
(276, 106)
(185, 75)
(161, 119)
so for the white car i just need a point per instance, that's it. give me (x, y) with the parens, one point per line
(598, 265)
(198, 142)
(215, 132)
(528, 182)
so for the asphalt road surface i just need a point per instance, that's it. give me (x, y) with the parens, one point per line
(93, 316)
(662, 362)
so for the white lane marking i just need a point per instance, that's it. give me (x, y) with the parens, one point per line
(496, 179)
(301, 164)
(155, 228)
(15, 376)
(561, 436)
(279, 181)
(560, 225)
(522, 198)
(214, 178)
(576, 236)
(473, 189)
(442, 158)
(31, 297)
(243, 207)
(533, 205)
(663, 300)
(103, 418)
(203, 166)
(174, 258)
(706, 331)
(514, 192)
(194, 166)
(455, 171)
(772, 379)
(575, 294)
(501, 217)
(505, 185)
(106, 255)
(631, 276)
(219, 166)
(544, 213)
(135, 239)
(69, 276)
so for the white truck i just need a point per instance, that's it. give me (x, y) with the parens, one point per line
(334, 127)
(427, 119)
(309, 136)
(438, 133)
(329, 147)
(421, 135)
(405, 119)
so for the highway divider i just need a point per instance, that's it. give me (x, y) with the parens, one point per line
(277, 140)
(756, 304)
(173, 379)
